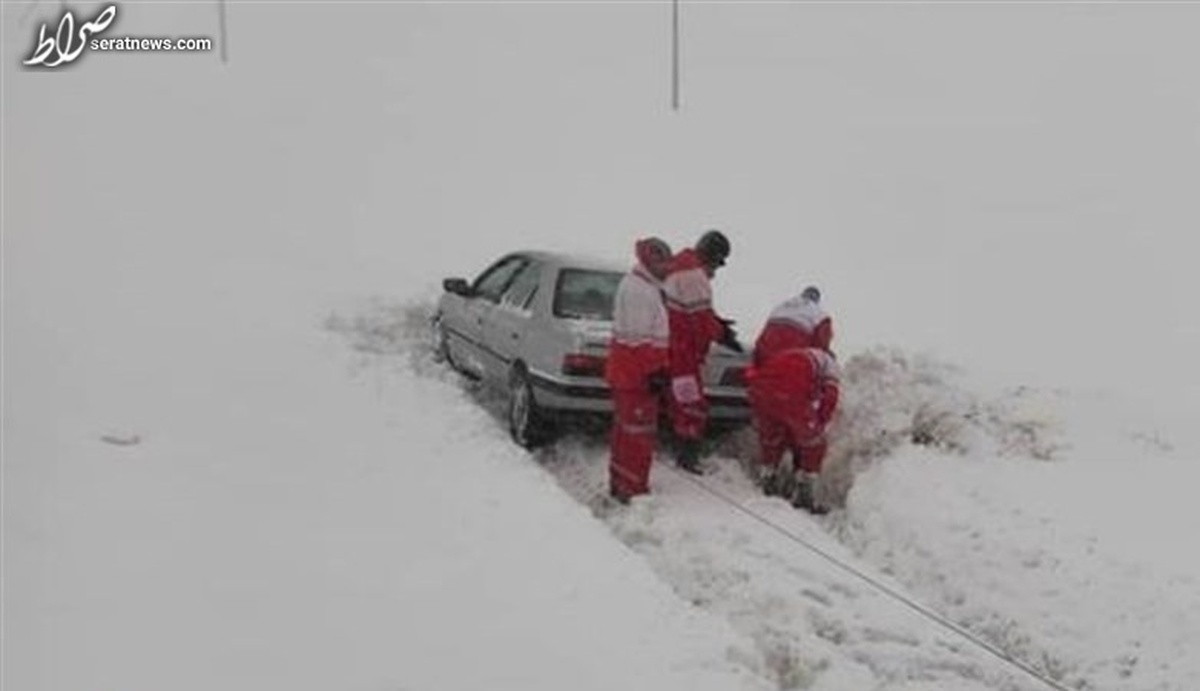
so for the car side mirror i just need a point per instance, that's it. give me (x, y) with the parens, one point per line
(458, 286)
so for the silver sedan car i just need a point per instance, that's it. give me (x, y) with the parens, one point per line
(536, 325)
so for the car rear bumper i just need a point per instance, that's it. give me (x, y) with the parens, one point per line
(560, 395)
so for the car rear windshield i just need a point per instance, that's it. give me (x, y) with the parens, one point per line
(584, 294)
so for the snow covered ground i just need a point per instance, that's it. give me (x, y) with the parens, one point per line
(950, 553)
(228, 462)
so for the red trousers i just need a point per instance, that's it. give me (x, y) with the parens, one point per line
(785, 418)
(776, 435)
(634, 432)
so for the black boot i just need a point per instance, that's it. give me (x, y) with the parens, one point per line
(619, 497)
(772, 481)
(805, 496)
(688, 457)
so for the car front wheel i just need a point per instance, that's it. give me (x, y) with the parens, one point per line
(529, 425)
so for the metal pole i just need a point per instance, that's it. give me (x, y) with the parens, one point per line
(675, 55)
(224, 32)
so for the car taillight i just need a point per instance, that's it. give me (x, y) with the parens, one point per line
(581, 365)
(734, 376)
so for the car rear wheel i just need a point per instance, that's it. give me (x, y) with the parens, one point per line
(529, 425)
(441, 343)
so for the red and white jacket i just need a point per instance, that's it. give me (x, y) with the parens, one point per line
(796, 323)
(798, 384)
(640, 331)
(694, 324)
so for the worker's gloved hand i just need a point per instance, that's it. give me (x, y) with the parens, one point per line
(729, 337)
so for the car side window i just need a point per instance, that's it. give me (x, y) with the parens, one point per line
(492, 283)
(520, 293)
(586, 294)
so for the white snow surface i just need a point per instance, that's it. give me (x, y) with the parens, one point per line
(229, 460)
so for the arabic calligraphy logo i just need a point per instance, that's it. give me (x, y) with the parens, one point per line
(67, 44)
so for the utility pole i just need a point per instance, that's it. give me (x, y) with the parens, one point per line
(675, 55)
(224, 34)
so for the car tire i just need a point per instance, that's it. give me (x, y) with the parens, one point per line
(528, 424)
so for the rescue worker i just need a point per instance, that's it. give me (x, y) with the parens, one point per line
(694, 328)
(793, 388)
(637, 369)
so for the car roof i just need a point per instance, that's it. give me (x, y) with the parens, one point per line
(564, 260)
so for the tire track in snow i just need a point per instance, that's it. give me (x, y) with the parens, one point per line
(814, 628)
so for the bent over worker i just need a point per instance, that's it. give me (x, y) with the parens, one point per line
(793, 386)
